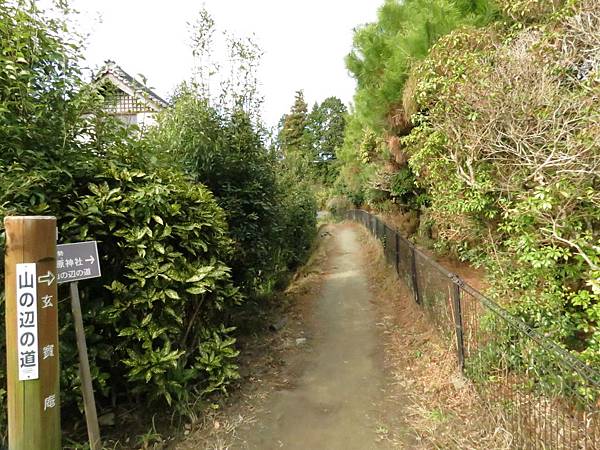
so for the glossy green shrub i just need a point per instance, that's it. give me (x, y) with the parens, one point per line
(164, 286)
(155, 321)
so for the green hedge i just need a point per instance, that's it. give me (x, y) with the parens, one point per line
(266, 209)
(172, 253)
(156, 322)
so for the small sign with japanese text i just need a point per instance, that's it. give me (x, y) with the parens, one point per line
(27, 323)
(78, 261)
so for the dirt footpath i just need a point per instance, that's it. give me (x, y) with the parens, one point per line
(333, 403)
(357, 365)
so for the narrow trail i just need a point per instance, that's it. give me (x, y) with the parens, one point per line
(334, 402)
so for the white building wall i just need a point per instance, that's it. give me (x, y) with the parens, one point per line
(146, 119)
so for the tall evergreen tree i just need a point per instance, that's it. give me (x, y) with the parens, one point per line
(309, 141)
(383, 52)
(292, 136)
(326, 127)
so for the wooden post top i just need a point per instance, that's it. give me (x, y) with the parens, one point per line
(30, 217)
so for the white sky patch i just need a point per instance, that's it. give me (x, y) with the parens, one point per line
(304, 42)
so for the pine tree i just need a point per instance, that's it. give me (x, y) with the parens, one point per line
(292, 137)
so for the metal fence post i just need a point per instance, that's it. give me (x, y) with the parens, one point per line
(415, 281)
(460, 346)
(397, 253)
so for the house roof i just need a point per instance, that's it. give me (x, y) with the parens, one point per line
(112, 72)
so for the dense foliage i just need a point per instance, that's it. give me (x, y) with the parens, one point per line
(308, 142)
(518, 172)
(154, 322)
(174, 254)
(384, 51)
(159, 309)
(219, 140)
(488, 130)
(381, 60)
(225, 151)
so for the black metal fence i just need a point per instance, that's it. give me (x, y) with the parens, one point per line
(548, 398)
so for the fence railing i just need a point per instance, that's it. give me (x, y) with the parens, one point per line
(548, 398)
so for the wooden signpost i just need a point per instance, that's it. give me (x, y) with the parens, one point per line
(32, 334)
(34, 267)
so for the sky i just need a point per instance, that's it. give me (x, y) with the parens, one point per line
(304, 42)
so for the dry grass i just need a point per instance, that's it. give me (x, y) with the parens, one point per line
(409, 102)
(442, 408)
(406, 222)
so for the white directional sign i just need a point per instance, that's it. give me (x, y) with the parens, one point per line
(27, 322)
(78, 261)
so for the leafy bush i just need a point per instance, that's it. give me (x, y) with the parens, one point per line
(506, 145)
(529, 11)
(296, 226)
(35, 79)
(404, 189)
(156, 322)
(224, 150)
(165, 290)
